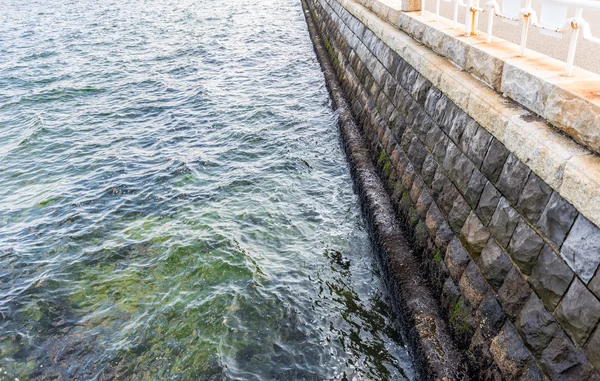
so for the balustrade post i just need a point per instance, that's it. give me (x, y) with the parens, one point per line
(573, 41)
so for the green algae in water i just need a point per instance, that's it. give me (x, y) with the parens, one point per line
(176, 204)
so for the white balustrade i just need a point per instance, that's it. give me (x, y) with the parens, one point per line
(553, 19)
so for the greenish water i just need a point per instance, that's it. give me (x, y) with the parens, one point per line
(174, 200)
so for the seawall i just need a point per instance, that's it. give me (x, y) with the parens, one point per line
(499, 206)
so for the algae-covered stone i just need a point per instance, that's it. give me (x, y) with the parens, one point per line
(494, 264)
(513, 293)
(550, 278)
(474, 235)
(581, 249)
(494, 160)
(536, 325)
(488, 202)
(524, 247)
(450, 295)
(557, 218)
(503, 222)
(456, 259)
(578, 312)
(534, 197)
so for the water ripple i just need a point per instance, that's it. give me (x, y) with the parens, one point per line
(174, 201)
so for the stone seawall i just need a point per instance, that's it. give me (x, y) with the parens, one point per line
(511, 262)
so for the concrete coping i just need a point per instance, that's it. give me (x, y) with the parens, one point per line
(536, 81)
(567, 166)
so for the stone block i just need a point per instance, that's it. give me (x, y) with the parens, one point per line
(504, 222)
(510, 354)
(474, 235)
(417, 188)
(457, 122)
(417, 153)
(494, 264)
(453, 154)
(536, 325)
(434, 134)
(480, 358)
(592, 349)
(428, 170)
(458, 215)
(462, 322)
(578, 312)
(434, 219)
(523, 87)
(488, 203)
(478, 146)
(408, 177)
(490, 316)
(581, 185)
(469, 133)
(524, 247)
(581, 249)
(513, 293)
(485, 66)
(447, 197)
(472, 286)
(494, 160)
(432, 98)
(424, 202)
(562, 361)
(594, 284)
(557, 218)
(550, 278)
(419, 89)
(461, 171)
(575, 115)
(439, 150)
(450, 296)
(443, 236)
(475, 188)
(534, 198)
(513, 178)
(456, 259)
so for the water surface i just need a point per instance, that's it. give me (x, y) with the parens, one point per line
(174, 200)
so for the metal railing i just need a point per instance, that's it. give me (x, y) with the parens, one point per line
(553, 19)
